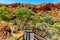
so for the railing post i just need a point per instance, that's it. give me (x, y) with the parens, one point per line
(27, 36)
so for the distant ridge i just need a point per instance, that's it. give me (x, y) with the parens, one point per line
(42, 6)
(50, 7)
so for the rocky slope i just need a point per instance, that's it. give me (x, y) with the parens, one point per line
(43, 6)
(53, 9)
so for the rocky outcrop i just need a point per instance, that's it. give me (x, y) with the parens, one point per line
(57, 5)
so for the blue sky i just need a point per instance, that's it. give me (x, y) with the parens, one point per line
(29, 1)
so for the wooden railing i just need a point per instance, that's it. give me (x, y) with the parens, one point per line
(39, 34)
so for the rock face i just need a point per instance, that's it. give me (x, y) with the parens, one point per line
(57, 5)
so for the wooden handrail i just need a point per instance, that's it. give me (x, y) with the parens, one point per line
(37, 31)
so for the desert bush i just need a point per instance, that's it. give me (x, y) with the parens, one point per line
(6, 13)
(22, 16)
(46, 18)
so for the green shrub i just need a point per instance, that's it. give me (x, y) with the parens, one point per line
(23, 12)
(6, 13)
(22, 16)
(56, 25)
(46, 18)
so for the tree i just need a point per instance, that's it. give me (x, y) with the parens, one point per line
(23, 16)
(23, 12)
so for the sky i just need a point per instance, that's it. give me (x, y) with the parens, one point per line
(29, 1)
